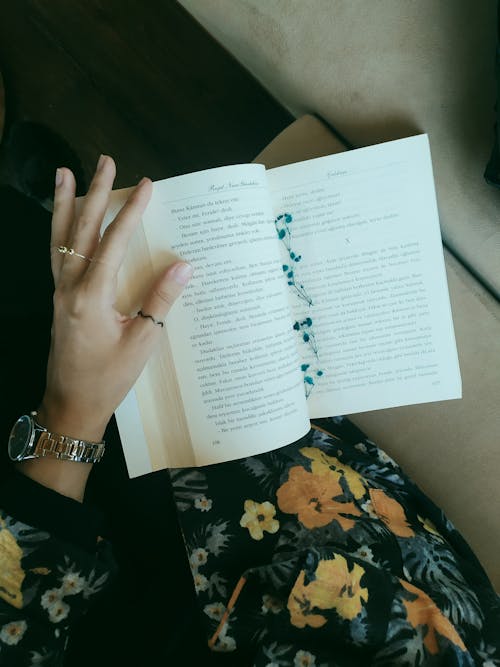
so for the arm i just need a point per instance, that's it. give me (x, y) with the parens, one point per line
(51, 560)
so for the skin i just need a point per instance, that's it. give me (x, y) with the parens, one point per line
(96, 353)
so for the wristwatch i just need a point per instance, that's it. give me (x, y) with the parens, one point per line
(29, 440)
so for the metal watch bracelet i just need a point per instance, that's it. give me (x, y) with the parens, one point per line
(52, 445)
(67, 449)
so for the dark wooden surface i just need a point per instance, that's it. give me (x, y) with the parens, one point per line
(142, 81)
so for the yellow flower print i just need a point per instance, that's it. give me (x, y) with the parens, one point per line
(429, 526)
(11, 573)
(334, 587)
(422, 611)
(259, 517)
(311, 495)
(391, 513)
(321, 461)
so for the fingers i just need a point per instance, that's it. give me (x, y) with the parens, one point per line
(113, 246)
(62, 217)
(85, 233)
(161, 298)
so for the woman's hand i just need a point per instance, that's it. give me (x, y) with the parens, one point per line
(97, 353)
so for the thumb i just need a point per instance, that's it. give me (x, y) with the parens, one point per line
(165, 291)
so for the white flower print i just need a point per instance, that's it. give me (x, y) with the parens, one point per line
(385, 458)
(50, 597)
(72, 583)
(368, 509)
(225, 644)
(271, 604)
(361, 447)
(13, 632)
(200, 582)
(198, 557)
(202, 503)
(215, 610)
(304, 659)
(58, 611)
(365, 553)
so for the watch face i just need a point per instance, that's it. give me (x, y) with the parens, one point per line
(20, 437)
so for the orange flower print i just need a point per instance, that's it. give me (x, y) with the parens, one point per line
(422, 611)
(334, 587)
(322, 462)
(311, 496)
(391, 513)
(259, 517)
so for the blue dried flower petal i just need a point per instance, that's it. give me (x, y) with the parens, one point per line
(281, 234)
(319, 373)
(285, 267)
(296, 326)
(292, 255)
(289, 274)
(308, 379)
(288, 217)
(290, 282)
(306, 337)
(304, 367)
(308, 321)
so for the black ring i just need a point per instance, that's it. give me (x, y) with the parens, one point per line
(150, 317)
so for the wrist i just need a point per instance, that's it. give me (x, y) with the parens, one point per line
(68, 478)
(72, 425)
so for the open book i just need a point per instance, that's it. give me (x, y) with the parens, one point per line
(319, 289)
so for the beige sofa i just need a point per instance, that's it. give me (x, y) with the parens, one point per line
(378, 71)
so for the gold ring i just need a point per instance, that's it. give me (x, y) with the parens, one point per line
(71, 251)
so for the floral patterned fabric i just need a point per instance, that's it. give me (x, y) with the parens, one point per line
(45, 585)
(324, 553)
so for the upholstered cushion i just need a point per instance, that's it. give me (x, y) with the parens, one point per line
(384, 70)
(450, 448)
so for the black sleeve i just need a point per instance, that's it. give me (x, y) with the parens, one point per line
(52, 565)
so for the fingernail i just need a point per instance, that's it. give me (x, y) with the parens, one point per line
(101, 162)
(142, 181)
(182, 273)
(59, 177)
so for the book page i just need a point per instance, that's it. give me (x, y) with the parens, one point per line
(368, 292)
(230, 332)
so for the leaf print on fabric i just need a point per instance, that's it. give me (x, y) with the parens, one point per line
(259, 518)
(216, 537)
(334, 586)
(391, 513)
(187, 484)
(429, 526)
(311, 496)
(320, 460)
(12, 633)
(421, 611)
(433, 566)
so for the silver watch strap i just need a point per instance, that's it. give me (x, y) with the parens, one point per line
(66, 448)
